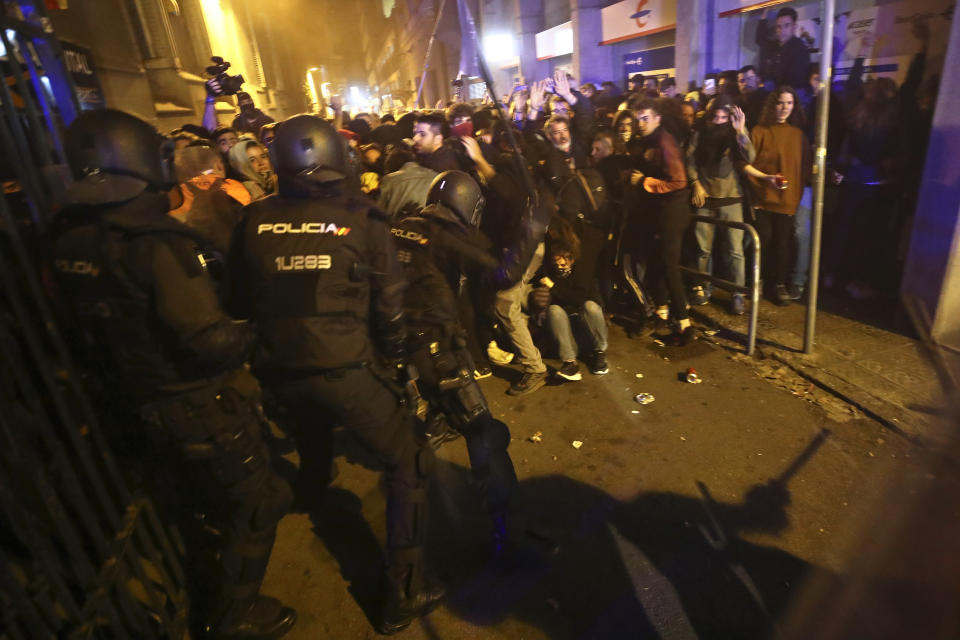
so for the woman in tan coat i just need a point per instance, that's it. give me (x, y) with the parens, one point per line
(783, 152)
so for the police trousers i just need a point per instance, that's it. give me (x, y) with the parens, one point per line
(359, 401)
(447, 383)
(222, 476)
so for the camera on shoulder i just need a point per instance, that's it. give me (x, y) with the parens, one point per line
(229, 85)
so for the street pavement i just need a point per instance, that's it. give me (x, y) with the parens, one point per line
(696, 516)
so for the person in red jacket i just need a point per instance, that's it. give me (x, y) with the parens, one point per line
(660, 216)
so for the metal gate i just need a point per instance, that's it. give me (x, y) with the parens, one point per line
(81, 554)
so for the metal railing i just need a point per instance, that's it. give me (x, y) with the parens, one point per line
(82, 554)
(753, 290)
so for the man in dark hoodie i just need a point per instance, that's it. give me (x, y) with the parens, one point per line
(250, 119)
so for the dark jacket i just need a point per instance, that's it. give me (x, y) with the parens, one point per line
(137, 284)
(783, 64)
(436, 249)
(581, 132)
(446, 158)
(580, 285)
(318, 272)
(242, 125)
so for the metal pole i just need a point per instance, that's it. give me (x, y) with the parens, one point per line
(754, 292)
(426, 59)
(508, 130)
(820, 170)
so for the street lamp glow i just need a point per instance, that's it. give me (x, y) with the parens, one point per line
(498, 47)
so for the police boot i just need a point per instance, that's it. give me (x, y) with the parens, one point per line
(263, 618)
(405, 596)
(438, 431)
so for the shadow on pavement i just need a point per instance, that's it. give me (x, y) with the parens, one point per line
(661, 565)
(339, 522)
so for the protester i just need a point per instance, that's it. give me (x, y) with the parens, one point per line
(871, 166)
(250, 119)
(783, 155)
(689, 112)
(566, 288)
(783, 58)
(661, 213)
(717, 154)
(204, 199)
(752, 94)
(251, 160)
(405, 186)
(429, 134)
(668, 88)
(267, 133)
(603, 147)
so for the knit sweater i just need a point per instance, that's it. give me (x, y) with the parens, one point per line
(783, 149)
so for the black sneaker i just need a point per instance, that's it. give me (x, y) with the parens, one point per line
(528, 383)
(599, 365)
(738, 304)
(699, 297)
(570, 370)
(795, 291)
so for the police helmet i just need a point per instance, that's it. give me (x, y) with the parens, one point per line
(114, 142)
(309, 146)
(460, 193)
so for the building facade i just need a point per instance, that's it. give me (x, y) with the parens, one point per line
(149, 56)
(598, 40)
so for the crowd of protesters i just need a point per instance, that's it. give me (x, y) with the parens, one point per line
(625, 172)
(490, 234)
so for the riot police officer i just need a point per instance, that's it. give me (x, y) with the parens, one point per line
(137, 284)
(320, 278)
(437, 248)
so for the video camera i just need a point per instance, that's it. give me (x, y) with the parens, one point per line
(229, 85)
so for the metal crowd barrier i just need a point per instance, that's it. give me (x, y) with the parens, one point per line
(753, 289)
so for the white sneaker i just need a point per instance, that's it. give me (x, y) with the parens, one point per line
(498, 355)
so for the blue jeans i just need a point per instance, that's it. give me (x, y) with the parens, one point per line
(732, 243)
(801, 238)
(589, 317)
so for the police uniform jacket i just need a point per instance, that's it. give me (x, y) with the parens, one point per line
(319, 275)
(136, 281)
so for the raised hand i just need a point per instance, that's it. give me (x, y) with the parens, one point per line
(213, 88)
(739, 120)
(473, 147)
(562, 84)
(537, 90)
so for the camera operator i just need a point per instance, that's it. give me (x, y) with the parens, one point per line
(250, 119)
